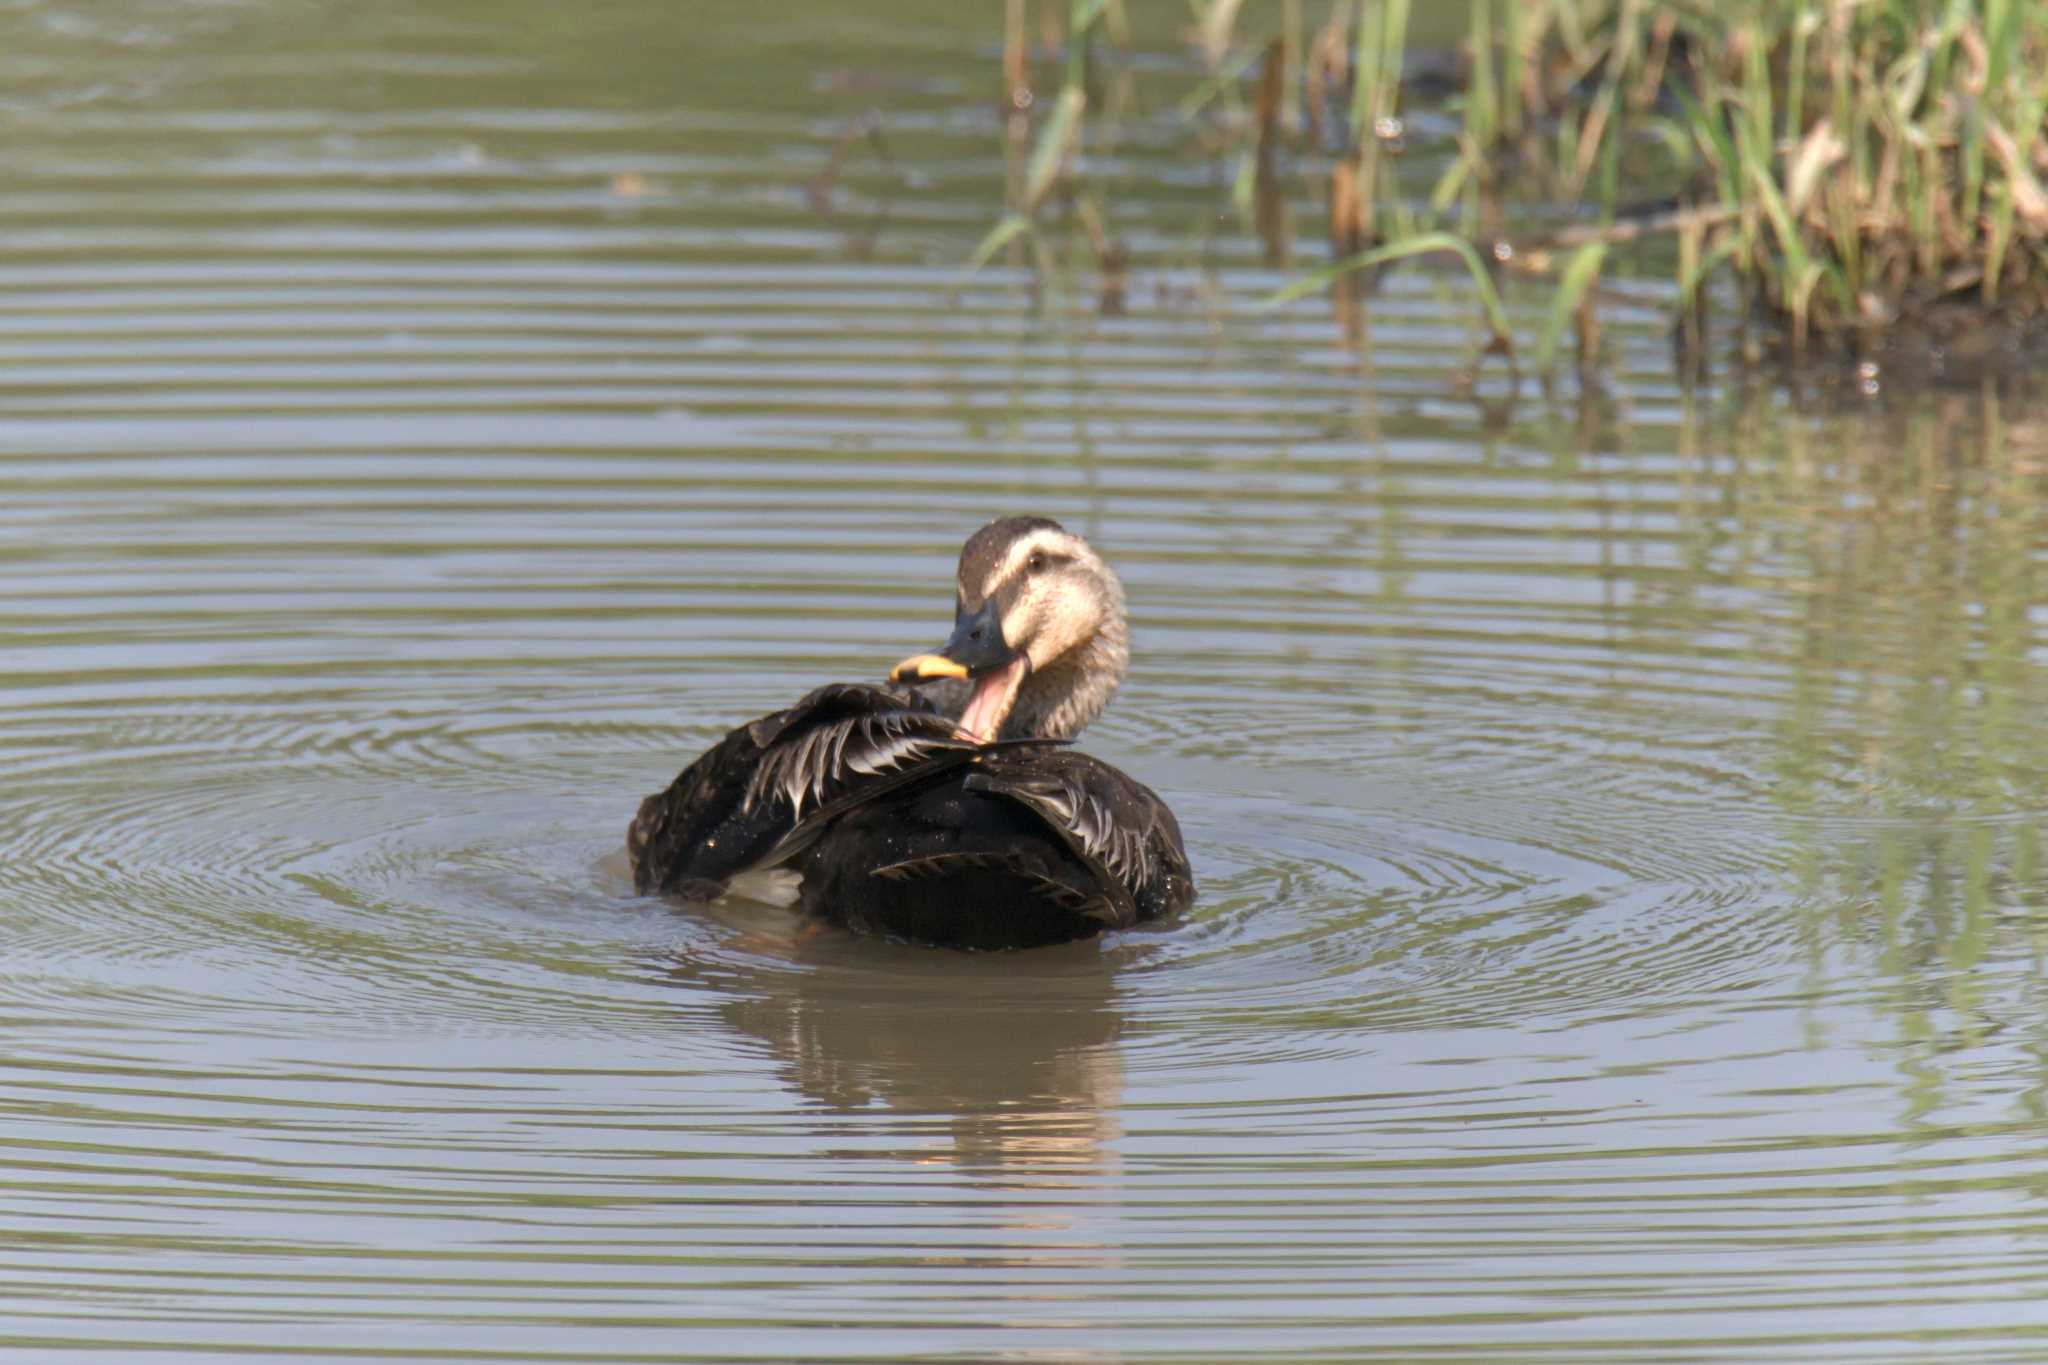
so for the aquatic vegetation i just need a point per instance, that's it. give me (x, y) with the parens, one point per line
(1853, 166)
(1861, 177)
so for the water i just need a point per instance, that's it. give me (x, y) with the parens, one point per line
(425, 427)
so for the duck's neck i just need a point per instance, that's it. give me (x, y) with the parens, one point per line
(1058, 701)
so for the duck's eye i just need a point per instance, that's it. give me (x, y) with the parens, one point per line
(1036, 562)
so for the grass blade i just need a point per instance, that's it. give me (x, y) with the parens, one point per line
(1422, 244)
(1013, 226)
(1054, 141)
(1578, 277)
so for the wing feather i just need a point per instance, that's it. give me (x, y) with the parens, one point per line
(812, 766)
(1117, 826)
(1115, 834)
(759, 795)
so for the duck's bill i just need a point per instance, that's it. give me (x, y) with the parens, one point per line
(925, 667)
(988, 705)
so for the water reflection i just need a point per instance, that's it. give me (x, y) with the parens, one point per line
(1914, 722)
(1013, 1058)
(1913, 745)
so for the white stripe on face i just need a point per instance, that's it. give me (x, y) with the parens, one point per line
(1050, 542)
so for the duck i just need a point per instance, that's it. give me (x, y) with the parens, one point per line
(945, 804)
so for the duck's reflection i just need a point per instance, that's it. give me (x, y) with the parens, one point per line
(1013, 1056)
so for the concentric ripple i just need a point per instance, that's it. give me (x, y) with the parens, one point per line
(426, 427)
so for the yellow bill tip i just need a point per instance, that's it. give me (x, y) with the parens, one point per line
(924, 667)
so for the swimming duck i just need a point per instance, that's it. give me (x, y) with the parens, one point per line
(942, 806)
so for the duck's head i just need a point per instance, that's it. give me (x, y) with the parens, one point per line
(1038, 628)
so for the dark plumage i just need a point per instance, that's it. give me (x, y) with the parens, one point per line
(931, 811)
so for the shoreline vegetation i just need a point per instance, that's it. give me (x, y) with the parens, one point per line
(1849, 181)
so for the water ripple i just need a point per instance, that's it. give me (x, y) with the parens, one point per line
(1615, 826)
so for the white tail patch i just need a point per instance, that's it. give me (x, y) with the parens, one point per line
(776, 886)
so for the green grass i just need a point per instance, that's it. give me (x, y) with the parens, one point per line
(1865, 161)
(1848, 167)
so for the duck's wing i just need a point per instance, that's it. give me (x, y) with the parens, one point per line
(1118, 827)
(768, 789)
